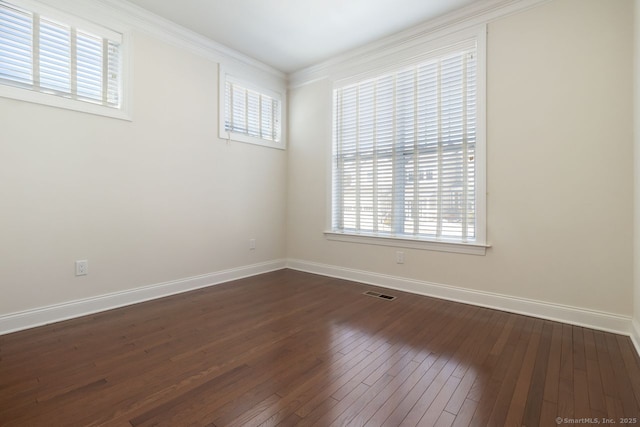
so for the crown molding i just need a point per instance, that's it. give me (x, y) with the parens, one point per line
(474, 15)
(190, 40)
(121, 12)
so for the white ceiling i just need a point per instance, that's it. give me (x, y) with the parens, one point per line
(292, 34)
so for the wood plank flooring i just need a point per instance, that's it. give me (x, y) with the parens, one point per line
(290, 348)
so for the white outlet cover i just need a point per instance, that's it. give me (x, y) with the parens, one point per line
(82, 267)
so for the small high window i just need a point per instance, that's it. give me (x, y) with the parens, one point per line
(52, 55)
(250, 114)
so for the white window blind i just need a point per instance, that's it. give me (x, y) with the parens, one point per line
(404, 163)
(251, 113)
(45, 55)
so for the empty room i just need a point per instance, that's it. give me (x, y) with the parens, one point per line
(336, 212)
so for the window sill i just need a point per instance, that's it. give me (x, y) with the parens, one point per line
(231, 136)
(64, 103)
(441, 246)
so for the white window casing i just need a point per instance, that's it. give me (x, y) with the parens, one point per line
(57, 59)
(409, 152)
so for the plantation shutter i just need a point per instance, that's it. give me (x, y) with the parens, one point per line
(404, 152)
(251, 113)
(45, 55)
(54, 59)
(16, 53)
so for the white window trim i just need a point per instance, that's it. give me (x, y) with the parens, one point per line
(397, 242)
(234, 136)
(393, 60)
(52, 100)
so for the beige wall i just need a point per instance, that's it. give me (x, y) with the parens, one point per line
(636, 253)
(156, 199)
(162, 198)
(560, 168)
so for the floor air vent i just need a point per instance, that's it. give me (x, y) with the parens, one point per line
(379, 295)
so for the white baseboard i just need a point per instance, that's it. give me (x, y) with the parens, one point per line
(562, 313)
(55, 313)
(635, 334)
(573, 315)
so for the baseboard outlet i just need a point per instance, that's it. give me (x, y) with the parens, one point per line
(55, 313)
(572, 315)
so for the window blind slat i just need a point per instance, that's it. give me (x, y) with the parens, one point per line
(251, 113)
(113, 74)
(404, 152)
(45, 55)
(15, 44)
(90, 73)
(55, 56)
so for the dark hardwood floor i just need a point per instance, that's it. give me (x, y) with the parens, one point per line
(290, 348)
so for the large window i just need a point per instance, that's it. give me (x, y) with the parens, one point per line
(51, 54)
(405, 158)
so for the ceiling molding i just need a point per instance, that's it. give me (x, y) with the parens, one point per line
(146, 22)
(176, 35)
(467, 17)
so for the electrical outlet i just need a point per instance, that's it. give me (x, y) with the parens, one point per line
(252, 244)
(399, 257)
(82, 267)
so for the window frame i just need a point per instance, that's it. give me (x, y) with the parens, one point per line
(225, 77)
(59, 100)
(396, 62)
